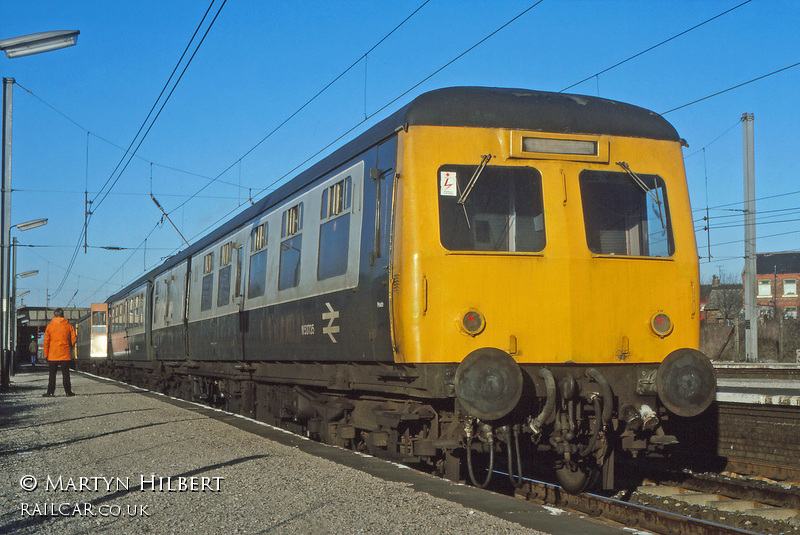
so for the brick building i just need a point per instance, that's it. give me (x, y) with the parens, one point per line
(777, 276)
(720, 302)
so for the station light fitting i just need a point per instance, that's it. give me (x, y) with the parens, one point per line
(34, 223)
(35, 43)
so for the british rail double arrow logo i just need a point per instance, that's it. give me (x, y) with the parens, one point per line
(331, 316)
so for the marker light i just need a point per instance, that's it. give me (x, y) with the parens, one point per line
(661, 324)
(472, 322)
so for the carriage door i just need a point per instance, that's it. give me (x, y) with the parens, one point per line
(380, 257)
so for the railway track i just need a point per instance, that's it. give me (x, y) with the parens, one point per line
(758, 438)
(758, 371)
(751, 440)
(663, 501)
(747, 439)
(717, 507)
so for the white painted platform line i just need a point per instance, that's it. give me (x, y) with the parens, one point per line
(758, 399)
(759, 383)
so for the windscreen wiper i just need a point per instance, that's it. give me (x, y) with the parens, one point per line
(471, 184)
(649, 192)
(475, 176)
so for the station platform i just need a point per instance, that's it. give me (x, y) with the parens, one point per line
(759, 392)
(118, 459)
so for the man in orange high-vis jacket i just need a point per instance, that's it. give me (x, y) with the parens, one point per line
(58, 341)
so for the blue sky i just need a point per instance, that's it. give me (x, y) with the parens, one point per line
(262, 61)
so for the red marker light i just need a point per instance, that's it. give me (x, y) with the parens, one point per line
(472, 322)
(661, 324)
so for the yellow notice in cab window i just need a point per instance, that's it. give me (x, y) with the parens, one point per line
(447, 184)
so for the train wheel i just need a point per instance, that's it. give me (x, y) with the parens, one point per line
(576, 478)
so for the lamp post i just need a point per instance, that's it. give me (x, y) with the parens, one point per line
(11, 331)
(14, 47)
(11, 319)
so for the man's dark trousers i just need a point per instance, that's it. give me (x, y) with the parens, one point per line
(51, 384)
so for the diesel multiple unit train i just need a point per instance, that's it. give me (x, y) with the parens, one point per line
(487, 278)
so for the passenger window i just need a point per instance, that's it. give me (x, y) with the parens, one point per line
(498, 209)
(626, 214)
(238, 282)
(257, 280)
(167, 286)
(334, 231)
(291, 245)
(208, 282)
(224, 284)
(135, 311)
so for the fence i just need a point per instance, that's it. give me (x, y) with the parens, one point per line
(778, 340)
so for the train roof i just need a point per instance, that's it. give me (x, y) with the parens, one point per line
(486, 107)
(536, 111)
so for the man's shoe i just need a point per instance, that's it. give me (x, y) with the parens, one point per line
(70, 394)
(48, 395)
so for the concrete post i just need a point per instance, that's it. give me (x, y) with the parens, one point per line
(750, 299)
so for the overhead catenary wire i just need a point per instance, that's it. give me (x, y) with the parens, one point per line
(218, 178)
(164, 103)
(403, 94)
(704, 147)
(349, 131)
(512, 20)
(253, 148)
(778, 212)
(116, 146)
(738, 203)
(306, 104)
(376, 112)
(59, 192)
(737, 86)
(762, 237)
(503, 26)
(759, 223)
(98, 200)
(597, 74)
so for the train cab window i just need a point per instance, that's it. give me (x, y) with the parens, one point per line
(498, 209)
(626, 214)
(291, 245)
(206, 298)
(334, 230)
(257, 281)
(224, 280)
(99, 325)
